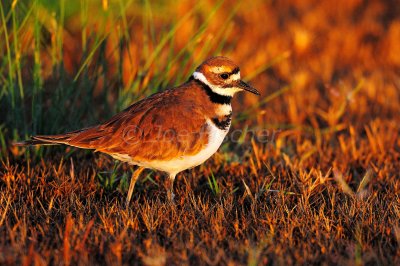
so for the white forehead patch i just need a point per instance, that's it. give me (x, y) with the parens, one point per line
(235, 76)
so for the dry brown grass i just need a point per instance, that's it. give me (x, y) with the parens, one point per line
(324, 190)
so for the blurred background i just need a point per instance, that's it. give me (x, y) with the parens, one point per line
(321, 66)
(326, 182)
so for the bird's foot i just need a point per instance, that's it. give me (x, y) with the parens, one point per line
(170, 196)
(170, 189)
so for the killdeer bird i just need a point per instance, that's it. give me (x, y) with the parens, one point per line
(169, 131)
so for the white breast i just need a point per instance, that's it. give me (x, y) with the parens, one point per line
(174, 166)
(224, 109)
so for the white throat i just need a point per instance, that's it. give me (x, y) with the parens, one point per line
(216, 88)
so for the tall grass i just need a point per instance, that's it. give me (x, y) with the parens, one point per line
(41, 93)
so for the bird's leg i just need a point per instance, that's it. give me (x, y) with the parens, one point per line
(134, 178)
(170, 187)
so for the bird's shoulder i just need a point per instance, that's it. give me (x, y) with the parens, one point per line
(184, 100)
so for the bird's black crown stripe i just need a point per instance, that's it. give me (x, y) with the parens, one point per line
(214, 97)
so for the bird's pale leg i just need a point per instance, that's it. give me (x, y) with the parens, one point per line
(134, 178)
(170, 187)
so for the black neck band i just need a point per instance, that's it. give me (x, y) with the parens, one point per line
(214, 97)
(222, 123)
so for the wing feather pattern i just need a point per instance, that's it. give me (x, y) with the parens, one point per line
(165, 125)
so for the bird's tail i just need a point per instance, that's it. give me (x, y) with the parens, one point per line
(48, 139)
(44, 140)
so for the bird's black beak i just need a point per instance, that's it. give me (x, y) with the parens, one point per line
(243, 85)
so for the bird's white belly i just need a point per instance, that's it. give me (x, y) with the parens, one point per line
(174, 166)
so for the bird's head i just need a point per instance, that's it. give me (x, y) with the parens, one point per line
(222, 75)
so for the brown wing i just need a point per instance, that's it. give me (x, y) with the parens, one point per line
(165, 125)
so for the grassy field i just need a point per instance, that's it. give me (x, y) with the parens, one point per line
(309, 174)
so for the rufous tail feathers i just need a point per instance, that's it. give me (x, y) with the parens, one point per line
(51, 139)
(45, 140)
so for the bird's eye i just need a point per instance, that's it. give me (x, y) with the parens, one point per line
(224, 76)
